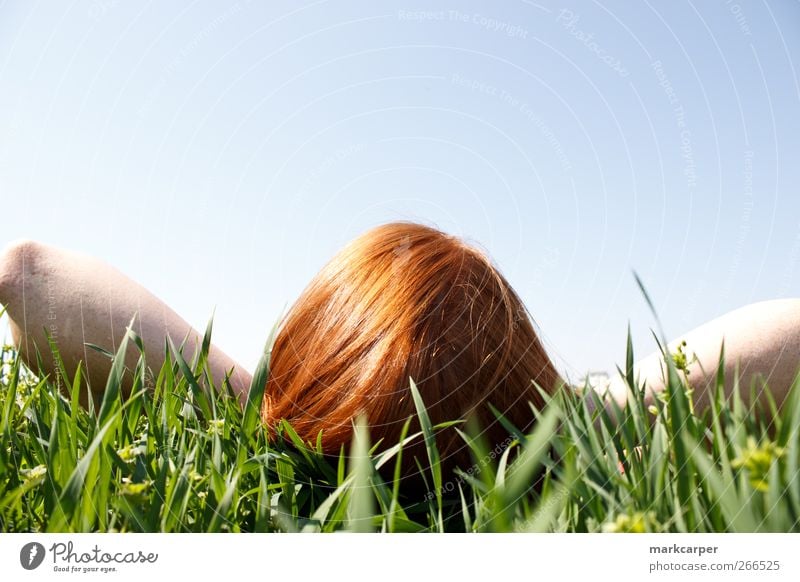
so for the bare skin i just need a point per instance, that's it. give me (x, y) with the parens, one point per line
(762, 339)
(80, 300)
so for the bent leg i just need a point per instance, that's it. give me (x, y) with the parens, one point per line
(78, 300)
(762, 339)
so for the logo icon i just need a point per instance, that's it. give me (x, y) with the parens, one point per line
(31, 555)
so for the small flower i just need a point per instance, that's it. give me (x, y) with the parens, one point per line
(216, 426)
(129, 453)
(639, 522)
(136, 492)
(37, 472)
(680, 359)
(758, 460)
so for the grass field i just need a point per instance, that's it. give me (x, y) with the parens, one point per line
(181, 456)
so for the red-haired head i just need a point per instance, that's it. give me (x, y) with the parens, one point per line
(406, 301)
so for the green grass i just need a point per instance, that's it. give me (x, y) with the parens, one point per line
(181, 455)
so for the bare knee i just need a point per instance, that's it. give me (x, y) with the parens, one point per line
(16, 260)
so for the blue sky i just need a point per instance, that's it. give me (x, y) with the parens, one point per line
(220, 153)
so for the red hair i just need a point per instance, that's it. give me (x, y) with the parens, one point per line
(406, 301)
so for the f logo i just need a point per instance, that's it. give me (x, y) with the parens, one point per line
(31, 555)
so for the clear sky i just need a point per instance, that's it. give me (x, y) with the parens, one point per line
(221, 152)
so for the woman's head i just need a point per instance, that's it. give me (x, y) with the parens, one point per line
(406, 301)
